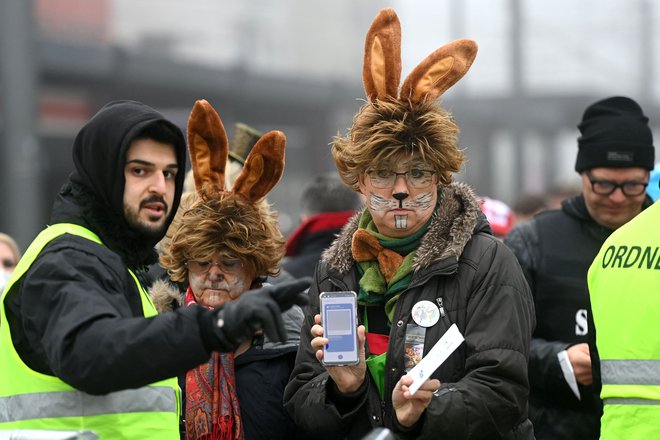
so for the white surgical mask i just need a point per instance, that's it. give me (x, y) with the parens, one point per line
(4, 278)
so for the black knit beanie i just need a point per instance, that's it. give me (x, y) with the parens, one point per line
(614, 134)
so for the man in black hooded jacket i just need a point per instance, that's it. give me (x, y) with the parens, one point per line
(83, 348)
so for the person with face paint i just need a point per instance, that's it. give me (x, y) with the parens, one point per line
(220, 262)
(421, 257)
(81, 344)
(224, 243)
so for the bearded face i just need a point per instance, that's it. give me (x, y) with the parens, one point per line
(149, 189)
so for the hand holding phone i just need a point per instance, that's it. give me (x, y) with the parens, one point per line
(347, 378)
(339, 321)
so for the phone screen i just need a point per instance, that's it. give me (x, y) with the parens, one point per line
(339, 324)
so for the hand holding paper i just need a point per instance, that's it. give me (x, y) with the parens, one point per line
(409, 406)
(449, 342)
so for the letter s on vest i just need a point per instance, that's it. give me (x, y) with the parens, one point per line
(581, 327)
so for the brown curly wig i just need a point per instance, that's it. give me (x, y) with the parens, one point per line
(227, 224)
(382, 130)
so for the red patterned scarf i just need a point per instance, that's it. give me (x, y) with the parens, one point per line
(212, 410)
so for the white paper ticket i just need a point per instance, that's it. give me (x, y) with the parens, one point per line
(449, 342)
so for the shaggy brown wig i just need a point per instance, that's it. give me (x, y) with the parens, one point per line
(227, 224)
(384, 129)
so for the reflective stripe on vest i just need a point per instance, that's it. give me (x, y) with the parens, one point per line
(630, 372)
(32, 400)
(75, 403)
(622, 401)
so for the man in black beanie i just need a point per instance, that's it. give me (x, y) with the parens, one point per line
(555, 250)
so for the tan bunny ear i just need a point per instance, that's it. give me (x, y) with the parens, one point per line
(439, 71)
(381, 72)
(263, 167)
(208, 145)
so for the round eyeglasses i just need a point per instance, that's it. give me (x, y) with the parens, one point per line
(415, 177)
(607, 187)
(227, 266)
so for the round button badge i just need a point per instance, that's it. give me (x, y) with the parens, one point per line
(425, 313)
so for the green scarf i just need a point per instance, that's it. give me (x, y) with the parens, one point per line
(374, 288)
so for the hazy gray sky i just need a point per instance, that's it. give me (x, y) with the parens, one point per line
(568, 46)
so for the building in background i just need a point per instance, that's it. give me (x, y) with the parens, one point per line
(292, 64)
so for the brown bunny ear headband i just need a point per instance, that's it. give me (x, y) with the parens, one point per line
(236, 220)
(408, 122)
(430, 79)
(208, 145)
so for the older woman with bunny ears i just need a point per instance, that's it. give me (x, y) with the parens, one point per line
(222, 244)
(421, 258)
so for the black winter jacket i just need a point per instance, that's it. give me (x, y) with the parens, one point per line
(555, 250)
(476, 279)
(76, 313)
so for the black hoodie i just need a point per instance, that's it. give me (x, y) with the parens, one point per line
(97, 184)
(76, 314)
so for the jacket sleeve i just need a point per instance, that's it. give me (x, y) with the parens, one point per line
(544, 369)
(490, 397)
(75, 313)
(309, 396)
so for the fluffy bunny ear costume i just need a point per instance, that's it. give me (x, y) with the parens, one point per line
(209, 147)
(220, 215)
(404, 120)
(430, 79)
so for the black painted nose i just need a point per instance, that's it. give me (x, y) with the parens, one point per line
(400, 196)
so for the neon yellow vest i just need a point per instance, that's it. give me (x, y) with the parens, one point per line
(31, 400)
(624, 286)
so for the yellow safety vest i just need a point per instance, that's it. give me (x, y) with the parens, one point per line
(31, 400)
(624, 286)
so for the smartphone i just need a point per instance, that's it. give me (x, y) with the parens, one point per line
(339, 321)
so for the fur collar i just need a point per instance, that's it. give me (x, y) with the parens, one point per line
(165, 296)
(456, 219)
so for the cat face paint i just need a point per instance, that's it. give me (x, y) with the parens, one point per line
(402, 215)
(215, 287)
(401, 221)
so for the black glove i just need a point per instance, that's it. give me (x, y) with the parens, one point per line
(259, 309)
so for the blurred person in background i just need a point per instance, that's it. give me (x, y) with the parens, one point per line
(558, 193)
(326, 205)
(9, 256)
(555, 250)
(528, 205)
(499, 215)
(81, 344)
(624, 287)
(224, 243)
(421, 258)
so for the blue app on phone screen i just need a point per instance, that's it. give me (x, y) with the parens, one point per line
(339, 327)
(338, 318)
